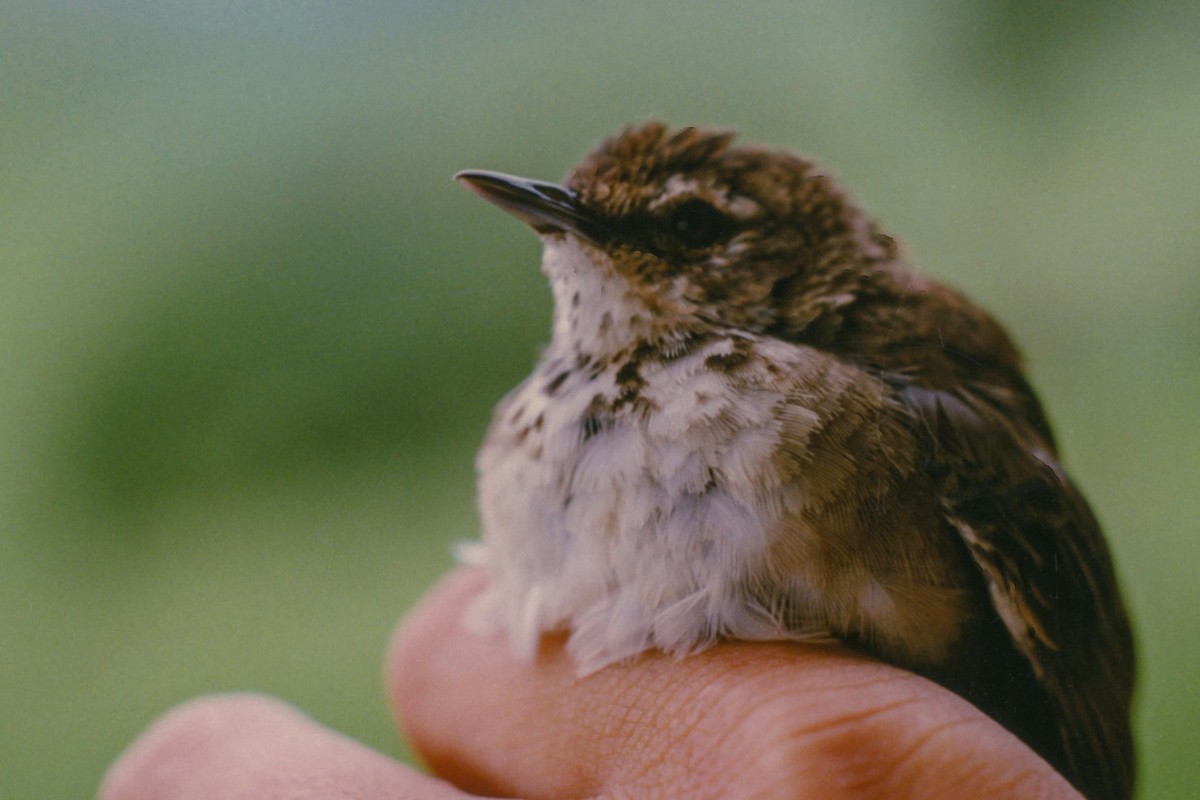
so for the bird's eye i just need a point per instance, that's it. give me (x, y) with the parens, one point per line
(695, 224)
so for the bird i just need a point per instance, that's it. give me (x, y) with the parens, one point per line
(754, 420)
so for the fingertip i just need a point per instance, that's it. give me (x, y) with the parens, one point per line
(454, 693)
(438, 612)
(249, 747)
(425, 635)
(171, 751)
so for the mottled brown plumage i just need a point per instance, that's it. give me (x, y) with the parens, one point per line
(755, 421)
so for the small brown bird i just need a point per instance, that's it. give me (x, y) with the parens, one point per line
(754, 421)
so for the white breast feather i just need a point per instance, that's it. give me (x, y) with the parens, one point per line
(646, 553)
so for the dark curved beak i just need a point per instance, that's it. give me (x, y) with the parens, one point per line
(545, 207)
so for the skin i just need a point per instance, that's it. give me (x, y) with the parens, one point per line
(739, 720)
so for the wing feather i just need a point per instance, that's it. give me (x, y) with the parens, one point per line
(1048, 571)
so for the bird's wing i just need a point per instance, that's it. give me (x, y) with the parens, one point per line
(1047, 568)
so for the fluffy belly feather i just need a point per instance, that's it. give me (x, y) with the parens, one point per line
(636, 520)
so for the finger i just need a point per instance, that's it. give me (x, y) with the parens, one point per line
(738, 720)
(245, 747)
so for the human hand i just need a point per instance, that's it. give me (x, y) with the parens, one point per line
(739, 720)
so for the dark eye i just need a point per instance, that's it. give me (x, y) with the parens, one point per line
(696, 224)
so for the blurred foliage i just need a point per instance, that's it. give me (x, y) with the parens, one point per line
(252, 332)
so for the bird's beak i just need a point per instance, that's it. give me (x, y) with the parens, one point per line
(545, 207)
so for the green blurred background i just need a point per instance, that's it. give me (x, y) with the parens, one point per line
(252, 332)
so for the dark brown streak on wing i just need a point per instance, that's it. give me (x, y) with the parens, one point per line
(991, 455)
(1048, 570)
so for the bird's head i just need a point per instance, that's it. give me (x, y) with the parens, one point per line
(659, 234)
